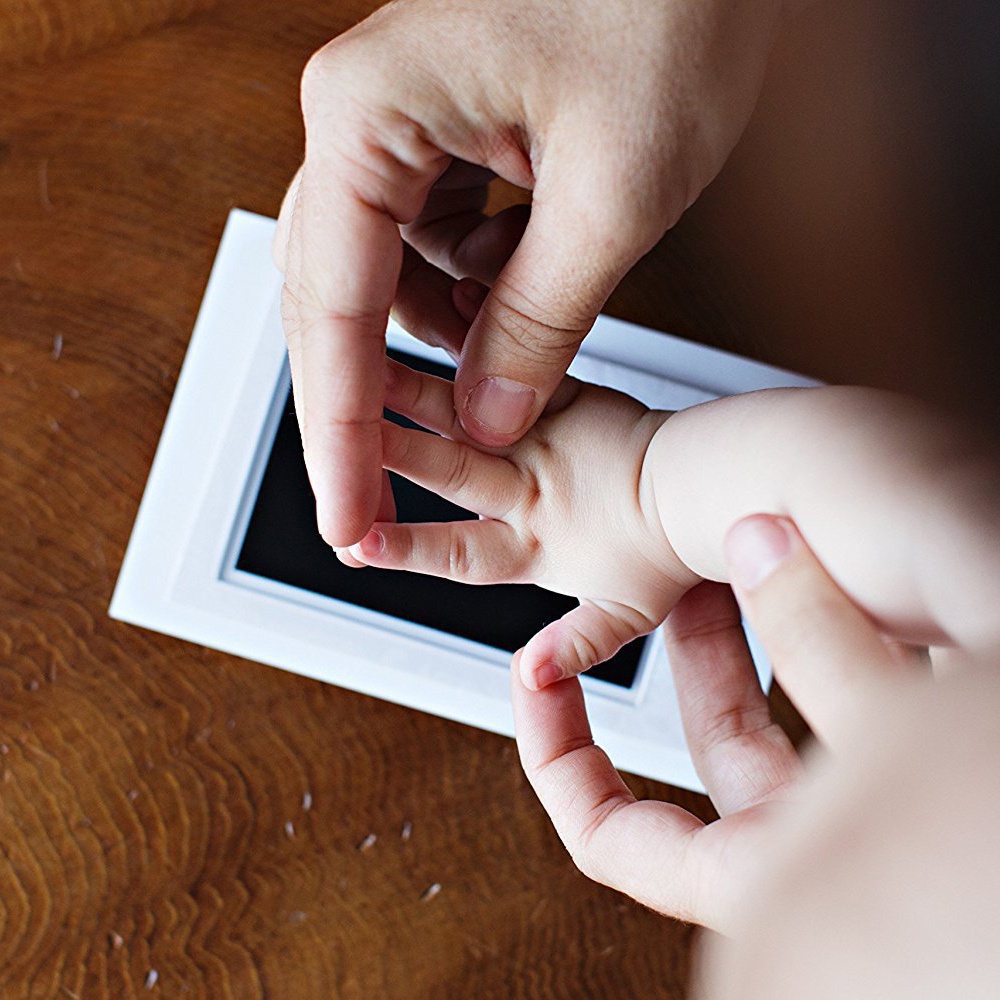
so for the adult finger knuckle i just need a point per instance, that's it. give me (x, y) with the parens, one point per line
(707, 612)
(322, 428)
(531, 326)
(734, 722)
(300, 308)
(585, 855)
(587, 860)
(290, 315)
(321, 75)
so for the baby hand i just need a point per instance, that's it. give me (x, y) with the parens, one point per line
(568, 507)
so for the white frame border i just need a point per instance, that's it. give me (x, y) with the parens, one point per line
(178, 576)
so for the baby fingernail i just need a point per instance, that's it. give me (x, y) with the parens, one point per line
(756, 547)
(547, 673)
(371, 545)
(501, 404)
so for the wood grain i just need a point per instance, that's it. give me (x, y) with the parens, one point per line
(37, 30)
(175, 814)
(151, 792)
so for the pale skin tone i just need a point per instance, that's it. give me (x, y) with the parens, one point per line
(883, 880)
(629, 510)
(407, 119)
(408, 116)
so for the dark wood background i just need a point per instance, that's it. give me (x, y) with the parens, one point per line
(176, 821)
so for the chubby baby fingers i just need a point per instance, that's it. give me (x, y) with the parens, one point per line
(426, 399)
(582, 638)
(485, 484)
(478, 552)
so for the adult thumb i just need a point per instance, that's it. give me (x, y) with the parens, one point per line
(828, 655)
(531, 322)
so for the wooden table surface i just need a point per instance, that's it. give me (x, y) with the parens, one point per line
(178, 822)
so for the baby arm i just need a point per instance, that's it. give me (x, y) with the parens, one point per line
(626, 508)
(900, 505)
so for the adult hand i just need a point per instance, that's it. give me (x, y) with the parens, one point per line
(615, 116)
(893, 837)
(824, 651)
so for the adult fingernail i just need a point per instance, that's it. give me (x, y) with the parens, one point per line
(756, 547)
(468, 295)
(501, 404)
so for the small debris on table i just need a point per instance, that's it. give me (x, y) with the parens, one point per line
(289, 829)
(57, 347)
(430, 892)
(116, 940)
(151, 977)
(307, 801)
(404, 834)
(368, 842)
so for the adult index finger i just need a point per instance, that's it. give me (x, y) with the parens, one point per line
(368, 169)
(343, 259)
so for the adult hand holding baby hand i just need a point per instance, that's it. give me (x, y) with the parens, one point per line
(615, 116)
(830, 657)
(546, 516)
(603, 537)
(629, 510)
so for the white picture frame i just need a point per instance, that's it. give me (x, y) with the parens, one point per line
(179, 577)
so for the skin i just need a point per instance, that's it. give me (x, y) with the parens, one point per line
(633, 511)
(667, 858)
(529, 493)
(387, 214)
(870, 888)
(627, 509)
(404, 130)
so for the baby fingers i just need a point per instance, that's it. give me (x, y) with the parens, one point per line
(425, 399)
(478, 552)
(582, 638)
(484, 484)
